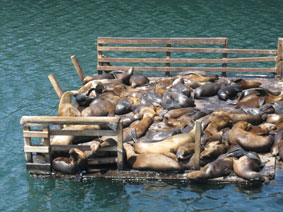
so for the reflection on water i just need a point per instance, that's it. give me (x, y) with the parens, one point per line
(38, 38)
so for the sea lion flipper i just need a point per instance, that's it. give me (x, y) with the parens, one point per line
(133, 133)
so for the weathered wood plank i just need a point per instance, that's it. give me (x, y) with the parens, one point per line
(120, 149)
(224, 65)
(97, 161)
(197, 144)
(84, 132)
(77, 67)
(279, 61)
(212, 69)
(187, 50)
(170, 60)
(35, 134)
(172, 41)
(27, 142)
(67, 120)
(38, 149)
(68, 147)
(56, 85)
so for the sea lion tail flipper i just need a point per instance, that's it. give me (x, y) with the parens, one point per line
(231, 102)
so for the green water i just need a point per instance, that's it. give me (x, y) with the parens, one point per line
(37, 38)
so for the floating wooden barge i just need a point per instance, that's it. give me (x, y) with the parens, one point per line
(113, 166)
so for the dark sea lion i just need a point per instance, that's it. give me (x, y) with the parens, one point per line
(168, 103)
(253, 119)
(65, 107)
(123, 106)
(138, 80)
(129, 118)
(218, 168)
(150, 98)
(185, 151)
(181, 88)
(244, 84)
(229, 92)
(73, 165)
(153, 162)
(249, 141)
(209, 89)
(247, 168)
(264, 109)
(168, 145)
(84, 100)
(161, 135)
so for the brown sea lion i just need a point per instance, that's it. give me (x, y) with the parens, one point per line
(68, 139)
(244, 84)
(253, 119)
(65, 107)
(97, 77)
(212, 150)
(278, 139)
(200, 78)
(153, 162)
(176, 113)
(248, 167)
(127, 119)
(138, 80)
(185, 151)
(264, 128)
(73, 165)
(168, 145)
(218, 121)
(274, 118)
(220, 167)
(249, 141)
(253, 100)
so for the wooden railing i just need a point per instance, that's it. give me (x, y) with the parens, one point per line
(174, 45)
(43, 131)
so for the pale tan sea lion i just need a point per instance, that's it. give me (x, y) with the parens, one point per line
(66, 108)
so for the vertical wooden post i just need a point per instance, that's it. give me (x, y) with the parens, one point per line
(120, 152)
(279, 60)
(55, 85)
(99, 55)
(46, 142)
(78, 67)
(27, 142)
(225, 56)
(168, 56)
(197, 144)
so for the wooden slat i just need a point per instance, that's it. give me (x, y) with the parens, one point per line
(279, 62)
(209, 69)
(35, 134)
(38, 149)
(98, 161)
(224, 65)
(172, 41)
(27, 142)
(68, 147)
(188, 50)
(197, 144)
(67, 120)
(39, 166)
(120, 150)
(83, 132)
(170, 60)
(107, 149)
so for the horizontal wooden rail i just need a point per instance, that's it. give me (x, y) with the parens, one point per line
(187, 50)
(177, 69)
(67, 120)
(164, 60)
(172, 41)
(84, 132)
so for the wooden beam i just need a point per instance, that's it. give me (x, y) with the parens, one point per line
(38, 166)
(279, 61)
(27, 142)
(55, 85)
(212, 69)
(224, 56)
(99, 55)
(37, 148)
(35, 134)
(67, 120)
(168, 56)
(172, 41)
(197, 144)
(78, 67)
(169, 60)
(120, 150)
(84, 132)
(187, 50)
(97, 161)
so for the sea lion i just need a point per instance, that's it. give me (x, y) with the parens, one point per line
(138, 80)
(252, 100)
(278, 139)
(249, 141)
(154, 136)
(176, 113)
(152, 162)
(185, 151)
(248, 167)
(229, 92)
(123, 106)
(220, 167)
(65, 107)
(218, 121)
(168, 145)
(212, 150)
(253, 119)
(129, 118)
(264, 128)
(200, 78)
(73, 165)
(244, 84)
(84, 100)
(209, 89)
(274, 118)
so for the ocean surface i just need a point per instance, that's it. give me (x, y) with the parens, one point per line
(37, 38)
